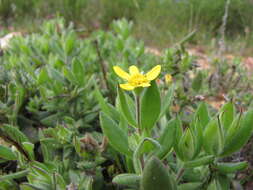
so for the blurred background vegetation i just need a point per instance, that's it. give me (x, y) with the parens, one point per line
(159, 23)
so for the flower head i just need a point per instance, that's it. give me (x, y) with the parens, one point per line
(135, 78)
(168, 78)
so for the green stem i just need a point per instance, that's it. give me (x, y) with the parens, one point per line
(138, 112)
(179, 174)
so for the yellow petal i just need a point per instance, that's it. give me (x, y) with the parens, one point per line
(145, 85)
(126, 86)
(133, 70)
(121, 73)
(153, 73)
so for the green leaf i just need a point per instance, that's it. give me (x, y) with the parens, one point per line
(198, 131)
(51, 119)
(123, 124)
(141, 148)
(6, 153)
(28, 186)
(202, 114)
(43, 77)
(155, 175)
(150, 106)
(166, 101)
(227, 117)
(69, 43)
(224, 181)
(197, 82)
(187, 145)
(213, 140)
(69, 75)
(59, 181)
(116, 136)
(125, 108)
(189, 186)
(29, 148)
(214, 185)
(226, 168)
(56, 75)
(78, 72)
(40, 170)
(14, 175)
(20, 96)
(167, 139)
(77, 145)
(178, 136)
(240, 136)
(89, 183)
(14, 133)
(234, 127)
(106, 107)
(131, 180)
(199, 162)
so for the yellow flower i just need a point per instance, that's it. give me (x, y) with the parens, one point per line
(168, 78)
(135, 78)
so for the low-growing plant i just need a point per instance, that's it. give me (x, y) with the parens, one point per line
(166, 153)
(52, 88)
(50, 133)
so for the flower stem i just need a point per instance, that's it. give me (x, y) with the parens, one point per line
(138, 112)
(179, 174)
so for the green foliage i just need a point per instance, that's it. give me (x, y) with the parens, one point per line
(168, 20)
(66, 124)
(198, 144)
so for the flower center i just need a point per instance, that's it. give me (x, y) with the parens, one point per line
(137, 79)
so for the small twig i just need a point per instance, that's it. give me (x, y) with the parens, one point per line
(230, 77)
(210, 81)
(186, 38)
(237, 81)
(222, 44)
(102, 65)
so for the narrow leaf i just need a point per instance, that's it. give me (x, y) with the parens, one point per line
(125, 107)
